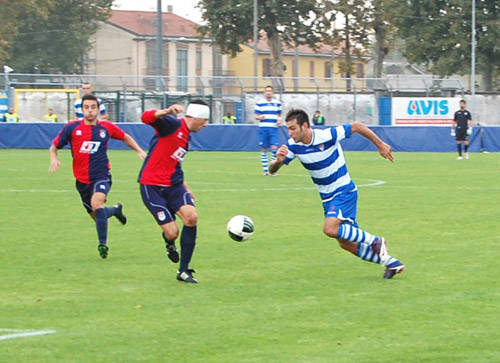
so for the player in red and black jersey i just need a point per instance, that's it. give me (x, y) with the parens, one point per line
(161, 179)
(89, 143)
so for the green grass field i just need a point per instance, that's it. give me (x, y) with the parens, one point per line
(289, 294)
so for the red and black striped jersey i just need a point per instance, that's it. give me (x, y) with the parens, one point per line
(89, 145)
(167, 149)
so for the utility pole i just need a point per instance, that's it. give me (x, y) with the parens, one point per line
(473, 62)
(159, 47)
(255, 39)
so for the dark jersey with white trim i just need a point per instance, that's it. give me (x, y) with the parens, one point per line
(167, 149)
(461, 118)
(89, 145)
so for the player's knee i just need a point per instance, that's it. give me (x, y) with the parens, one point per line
(331, 230)
(344, 244)
(171, 231)
(191, 219)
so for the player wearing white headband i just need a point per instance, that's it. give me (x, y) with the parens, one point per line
(163, 189)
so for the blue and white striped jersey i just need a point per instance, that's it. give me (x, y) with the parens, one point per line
(78, 108)
(271, 109)
(324, 160)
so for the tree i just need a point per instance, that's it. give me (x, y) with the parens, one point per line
(230, 24)
(56, 40)
(9, 22)
(437, 34)
(351, 32)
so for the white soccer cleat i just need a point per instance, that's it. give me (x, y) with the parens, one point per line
(459, 158)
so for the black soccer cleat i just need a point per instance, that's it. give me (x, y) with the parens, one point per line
(395, 268)
(186, 276)
(103, 251)
(172, 253)
(119, 213)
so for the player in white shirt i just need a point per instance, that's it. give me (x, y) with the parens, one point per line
(320, 152)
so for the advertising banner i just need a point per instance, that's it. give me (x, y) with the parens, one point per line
(4, 103)
(421, 111)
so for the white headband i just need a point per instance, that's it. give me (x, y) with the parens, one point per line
(198, 111)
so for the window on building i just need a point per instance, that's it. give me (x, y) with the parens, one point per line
(328, 69)
(360, 70)
(198, 59)
(182, 80)
(266, 67)
(151, 59)
(311, 69)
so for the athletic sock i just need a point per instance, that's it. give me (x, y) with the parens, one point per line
(365, 252)
(188, 241)
(169, 241)
(109, 211)
(273, 154)
(101, 223)
(459, 146)
(466, 147)
(263, 160)
(354, 234)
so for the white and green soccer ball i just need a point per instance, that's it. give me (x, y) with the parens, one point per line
(240, 228)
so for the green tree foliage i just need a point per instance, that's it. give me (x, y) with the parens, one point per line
(230, 23)
(10, 11)
(437, 33)
(54, 38)
(350, 23)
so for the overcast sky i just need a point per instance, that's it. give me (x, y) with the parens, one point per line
(184, 8)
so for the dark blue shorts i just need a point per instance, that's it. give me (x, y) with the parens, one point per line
(268, 136)
(164, 202)
(343, 206)
(86, 190)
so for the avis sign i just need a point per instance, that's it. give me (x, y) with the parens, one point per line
(423, 111)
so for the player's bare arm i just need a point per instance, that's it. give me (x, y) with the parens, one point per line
(279, 121)
(384, 149)
(54, 161)
(259, 117)
(189, 190)
(131, 143)
(280, 157)
(174, 109)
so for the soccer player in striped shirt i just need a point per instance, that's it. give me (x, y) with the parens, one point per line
(268, 112)
(87, 90)
(163, 189)
(321, 154)
(89, 144)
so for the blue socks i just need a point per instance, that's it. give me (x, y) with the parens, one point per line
(264, 161)
(273, 154)
(188, 241)
(101, 223)
(354, 234)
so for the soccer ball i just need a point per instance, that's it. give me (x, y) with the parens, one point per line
(240, 228)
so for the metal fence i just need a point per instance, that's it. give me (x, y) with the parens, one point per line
(127, 96)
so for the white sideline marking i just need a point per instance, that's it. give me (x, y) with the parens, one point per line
(374, 182)
(16, 333)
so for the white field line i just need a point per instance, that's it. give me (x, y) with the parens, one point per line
(16, 333)
(373, 182)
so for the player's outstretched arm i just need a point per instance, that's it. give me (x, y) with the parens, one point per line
(384, 149)
(280, 157)
(54, 161)
(131, 143)
(174, 109)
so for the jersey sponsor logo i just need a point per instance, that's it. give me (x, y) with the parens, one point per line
(161, 216)
(428, 107)
(102, 134)
(179, 154)
(90, 147)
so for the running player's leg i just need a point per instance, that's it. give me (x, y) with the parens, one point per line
(156, 203)
(181, 201)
